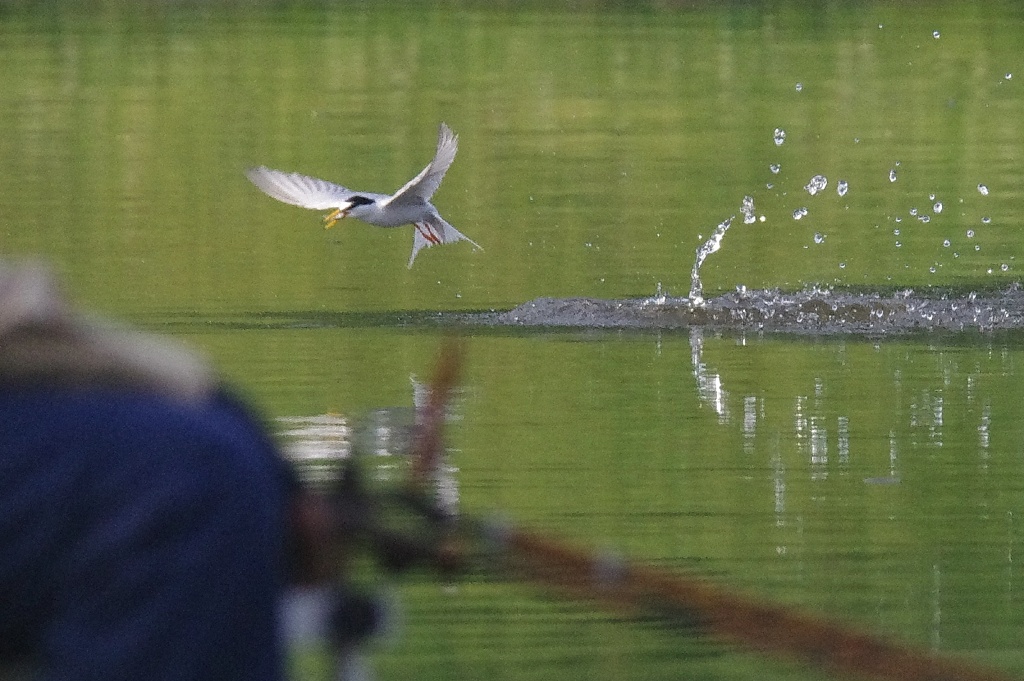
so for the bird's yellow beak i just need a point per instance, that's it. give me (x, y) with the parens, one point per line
(334, 216)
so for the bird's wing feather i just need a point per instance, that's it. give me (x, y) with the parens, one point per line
(423, 186)
(433, 231)
(299, 190)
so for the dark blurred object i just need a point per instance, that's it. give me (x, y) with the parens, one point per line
(142, 507)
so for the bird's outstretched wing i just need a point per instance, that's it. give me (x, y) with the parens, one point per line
(299, 190)
(423, 186)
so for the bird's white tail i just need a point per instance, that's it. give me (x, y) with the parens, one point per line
(435, 231)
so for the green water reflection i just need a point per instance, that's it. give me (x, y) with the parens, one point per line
(877, 482)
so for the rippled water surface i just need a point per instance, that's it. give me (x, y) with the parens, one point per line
(876, 481)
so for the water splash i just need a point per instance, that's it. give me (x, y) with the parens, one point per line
(817, 184)
(842, 187)
(707, 248)
(799, 213)
(660, 296)
(747, 209)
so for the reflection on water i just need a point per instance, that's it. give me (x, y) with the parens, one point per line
(709, 384)
(317, 445)
(320, 446)
(873, 482)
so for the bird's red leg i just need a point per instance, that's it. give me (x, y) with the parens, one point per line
(428, 233)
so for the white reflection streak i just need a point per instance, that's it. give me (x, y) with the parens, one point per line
(1009, 557)
(709, 384)
(893, 455)
(749, 423)
(800, 423)
(779, 483)
(936, 607)
(316, 437)
(819, 449)
(843, 444)
(984, 427)
(316, 444)
(936, 428)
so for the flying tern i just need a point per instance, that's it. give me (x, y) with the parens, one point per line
(410, 205)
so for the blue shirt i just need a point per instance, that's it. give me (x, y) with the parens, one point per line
(140, 537)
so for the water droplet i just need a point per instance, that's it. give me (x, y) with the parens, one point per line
(775, 168)
(983, 190)
(931, 197)
(842, 265)
(1008, 76)
(970, 234)
(799, 87)
(913, 211)
(935, 34)
(898, 244)
(937, 207)
(892, 174)
(799, 213)
(985, 220)
(659, 297)
(817, 183)
(1004, 267)
(945, 244)
(932, 269)
(925, 219)
(747, 208)
(895, 232)
(780, 136)
(842, 187)
(819, 238)
(977, 247)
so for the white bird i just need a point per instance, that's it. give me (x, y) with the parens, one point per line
(410, 205)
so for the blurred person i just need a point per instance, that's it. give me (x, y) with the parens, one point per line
(145, 517)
